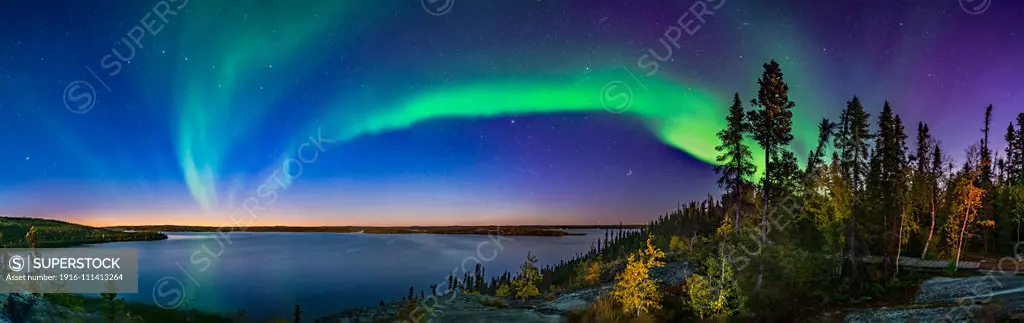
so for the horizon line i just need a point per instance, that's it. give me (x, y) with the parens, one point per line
(87, 223)
(373, 226)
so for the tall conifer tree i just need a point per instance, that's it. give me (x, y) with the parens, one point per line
(735, 164)
(771, 126)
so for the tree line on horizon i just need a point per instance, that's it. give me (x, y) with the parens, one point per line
(54, 233)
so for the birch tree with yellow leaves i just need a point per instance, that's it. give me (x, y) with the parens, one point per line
(635, 290)
(966, 200)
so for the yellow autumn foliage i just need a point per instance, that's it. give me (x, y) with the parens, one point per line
(503, 290)
(634, 288)
(594, 271)
(705, 300)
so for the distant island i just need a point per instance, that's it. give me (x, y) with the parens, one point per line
(55, 233)
(517, 230)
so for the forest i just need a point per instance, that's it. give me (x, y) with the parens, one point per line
(54, 233)
(792, 239)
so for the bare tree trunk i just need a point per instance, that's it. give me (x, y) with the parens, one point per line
(738, 190)
(899, 245)
(960, 241)
(736, 206)
(886, 244)
(853, 239)
(764, 222)
(924, 253)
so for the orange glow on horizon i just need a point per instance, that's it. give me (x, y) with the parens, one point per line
(244, 220)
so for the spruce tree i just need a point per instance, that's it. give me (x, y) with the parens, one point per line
(922, 187)
(735, 163)
(1015, 152)
(852, 141)
(986, 153)
(921, 156)
(1019, 150)
(1012, 158)
(984, 181)
(817, 157)
(524, 286)
(771, 124)
(886, 179)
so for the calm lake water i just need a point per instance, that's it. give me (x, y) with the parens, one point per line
(268, 273)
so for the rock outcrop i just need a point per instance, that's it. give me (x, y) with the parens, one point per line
(970, 299)
(26, 307)
(471, 308)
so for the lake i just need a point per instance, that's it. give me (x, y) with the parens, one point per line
(268, 273)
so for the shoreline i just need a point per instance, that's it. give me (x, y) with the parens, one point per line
(523, 230)
(57, 234)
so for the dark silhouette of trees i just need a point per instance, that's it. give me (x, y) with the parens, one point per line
(852, 142)
(887, 172)
(771, 125)
(735, 163)
(862, 189)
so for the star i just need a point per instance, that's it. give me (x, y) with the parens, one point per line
(26, 157)
(629, 172)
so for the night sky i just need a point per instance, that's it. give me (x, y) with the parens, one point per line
(459, 112)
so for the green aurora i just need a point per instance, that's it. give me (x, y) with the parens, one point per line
(220, 106)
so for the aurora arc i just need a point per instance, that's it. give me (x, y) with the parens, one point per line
(681, 116)
(230, 58)
(681, 113)
(685, 119)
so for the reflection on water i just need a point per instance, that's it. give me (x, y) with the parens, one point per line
(268, 273)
